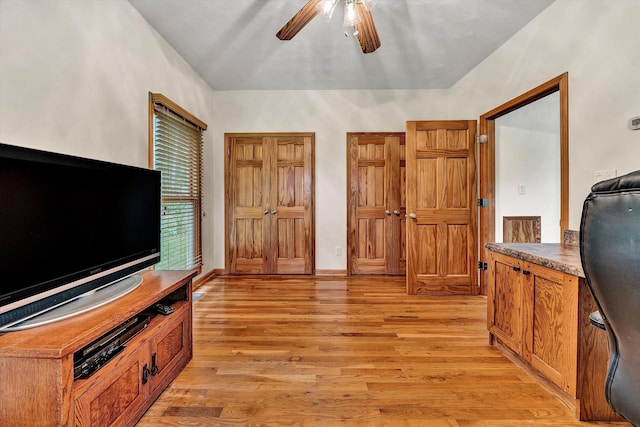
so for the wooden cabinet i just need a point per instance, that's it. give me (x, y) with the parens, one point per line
(39, 387)
(541, 314)
(269, 181)
(376, 221)
(533, 311)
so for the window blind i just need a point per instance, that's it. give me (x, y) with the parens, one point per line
(177, 153)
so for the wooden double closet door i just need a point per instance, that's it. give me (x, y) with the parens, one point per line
(269, 181)
(413, 206)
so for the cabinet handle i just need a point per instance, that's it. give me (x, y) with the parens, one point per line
(526, 272)
(145, 374)
(516, 269)
(154, 365)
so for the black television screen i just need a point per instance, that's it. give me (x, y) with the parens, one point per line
(69, 225)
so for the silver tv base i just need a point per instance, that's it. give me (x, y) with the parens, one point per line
(81, 304)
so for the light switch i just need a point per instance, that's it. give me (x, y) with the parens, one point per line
(522, 188)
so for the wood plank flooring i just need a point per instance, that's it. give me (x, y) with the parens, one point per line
(314, 351)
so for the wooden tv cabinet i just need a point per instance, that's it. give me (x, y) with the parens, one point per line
(36, 365)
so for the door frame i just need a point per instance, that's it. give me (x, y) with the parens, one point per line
(487, 163)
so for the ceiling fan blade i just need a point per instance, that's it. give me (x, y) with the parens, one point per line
(299, 20)
(367, 33)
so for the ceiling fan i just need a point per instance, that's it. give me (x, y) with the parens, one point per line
(357, 13)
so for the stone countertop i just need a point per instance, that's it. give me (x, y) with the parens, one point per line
(557, 256)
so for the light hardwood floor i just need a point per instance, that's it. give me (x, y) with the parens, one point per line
(314, 351)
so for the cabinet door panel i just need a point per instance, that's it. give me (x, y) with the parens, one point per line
(551, 325)
(169, 348)
(113, 399)
(505, 300)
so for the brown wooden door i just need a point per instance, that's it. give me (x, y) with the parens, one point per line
(376, 220)
(291, 204)
(442, 208)
(269, 214)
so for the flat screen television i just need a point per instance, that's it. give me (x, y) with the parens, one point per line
(74, 233)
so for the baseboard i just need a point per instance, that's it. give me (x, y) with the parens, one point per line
(223, 272)
(204, 277)
(331, 272)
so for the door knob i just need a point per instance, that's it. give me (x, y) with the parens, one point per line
(266, 211)
(413, 216)
(397, 212)
(273, 212)
(388, 212)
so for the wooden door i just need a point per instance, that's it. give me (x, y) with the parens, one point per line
(248, 213)
(376, 220)
(442, 207)
(269, 212)
(291, 205)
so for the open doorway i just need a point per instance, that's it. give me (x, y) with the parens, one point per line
(490, 127)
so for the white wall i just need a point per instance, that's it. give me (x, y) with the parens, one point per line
(67, 65)
(75, 77)
(528, 166)
(330, 114)
(597, 42)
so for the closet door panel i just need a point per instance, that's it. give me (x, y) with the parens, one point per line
(292, 241)
(376, 208)
(370, 184)
(248, 201)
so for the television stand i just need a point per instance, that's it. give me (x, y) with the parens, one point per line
(81, 304)
(37, 364)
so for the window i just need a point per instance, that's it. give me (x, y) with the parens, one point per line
(175, 138)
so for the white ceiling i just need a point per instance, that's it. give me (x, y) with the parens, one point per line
(426, 44)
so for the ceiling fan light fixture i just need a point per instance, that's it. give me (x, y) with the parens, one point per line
(351, 16)
(357, 15)
(326, 7)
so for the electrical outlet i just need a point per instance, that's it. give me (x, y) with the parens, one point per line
(338, 251)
